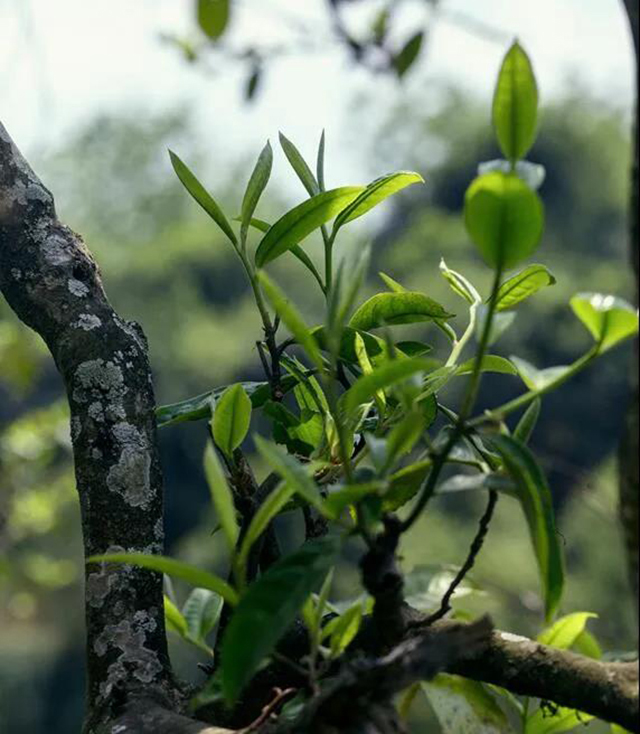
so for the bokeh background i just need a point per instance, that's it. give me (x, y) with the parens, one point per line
(95, 92)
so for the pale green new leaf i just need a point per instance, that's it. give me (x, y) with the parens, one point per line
(292, 319)
(221, 496)
(384, 376)
(490, 363)
(459, 284)
(268, 609)
(525, 426)
(298, 223)
(536, 379)
(522, 285)
(173, 618)
(231, 419)
(564, 632)
(255, 187)
(291, 471)
(176, 569)
(300, 166)
(504, 218)
(610, 320)
(515, 104)
(202, 196)
(375, 193)
(202, 611)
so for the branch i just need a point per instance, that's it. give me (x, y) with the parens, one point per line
(52, 283)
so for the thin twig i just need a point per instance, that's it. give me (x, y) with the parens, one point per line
(483, 527)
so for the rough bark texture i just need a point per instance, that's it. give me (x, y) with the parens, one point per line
(629, 505)
(52, 283)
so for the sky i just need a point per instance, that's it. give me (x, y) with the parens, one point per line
(64, 61)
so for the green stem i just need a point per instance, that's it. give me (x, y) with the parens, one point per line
(462, 342)
(499, 413)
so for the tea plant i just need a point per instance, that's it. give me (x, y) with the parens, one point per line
(361, 436)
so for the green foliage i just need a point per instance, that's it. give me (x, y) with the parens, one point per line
(213, 16)
(363, 423)
(270, 606)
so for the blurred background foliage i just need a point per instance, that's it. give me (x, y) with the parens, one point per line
(166, 266)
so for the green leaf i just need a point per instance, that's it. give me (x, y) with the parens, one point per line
(320, 163)
(292, 472)
(174, 620)
(292, 318)
(302, 220)
(459, 284)
(343, 629)
(231, 419)
(525, 426)
(413, 348)
(405, 484)
(267, 511)
(610, 320)
(561, 719)
(408, 54)
(268, 609)
(490, 363)
(177, 569)
(425, 585)
(407, 432)
(387, 374)
(255, 187)
(202, 611)
(213, 17)
(534, 495)
(515, 104)
(536, 379)
(522, 285)
(564, 632)
(397, 308)
(345, 496)
(367, 369)
(347, 351)
(504, 218)
(199, 407)
(375, 193)
(586, 644)
(221, 496)
(473, 482)
(300, 166)
(392, 284)
(533, 174)
(465, 706)
(200, 194)
(500, 323)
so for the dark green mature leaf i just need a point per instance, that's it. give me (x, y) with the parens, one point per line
(610, 320)
(397, 308)
(213, 17)
(405, 484)
(515, 104)
(351, 494)
(300, 166)
(199, 407)
(463, 706)
(504, 218)
(221, 496)
(302, 220)
(177, 569)
(231, 419)
(375, 193)
(202, 196)
(292, 318)
(408, 55)
(522, 285)
(390, 373)
(347, 351)
(268, 609)
(255, 187)
(534, 495)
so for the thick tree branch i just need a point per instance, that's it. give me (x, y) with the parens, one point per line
(52, 283)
